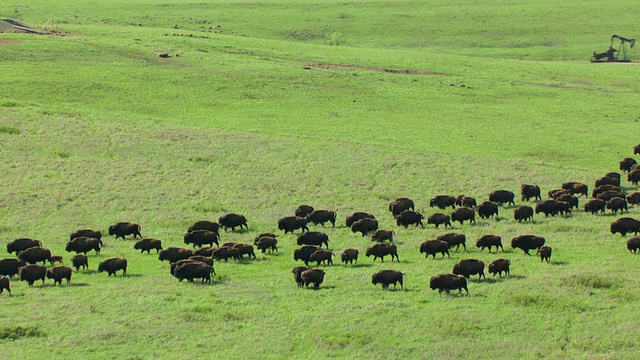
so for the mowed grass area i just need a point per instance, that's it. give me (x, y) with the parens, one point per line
(96, 129)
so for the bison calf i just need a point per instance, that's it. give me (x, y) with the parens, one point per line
(57, 273)
(499, 266)
(5, 284)
(349, 256)
(545, 253)
(79, 261)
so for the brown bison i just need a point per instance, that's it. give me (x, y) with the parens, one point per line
(364, 226)
(30, 273)
(202, 259)
(225, 253)
(11, 267)
(462, 214)
(233, 221)
(625, 225)
(321, 256)
(380, 250)
(553, 194)
(409, 217)
(322, 216)
(349, 256)
(147, 244)
(627, 163)
(572, 200)
(545, 253)
(607, 180)
(502, 197)
(616, 204)
(5, 284)
(448, 282)
(432, 247)
(387, 277)
(594, 206)
(438, 219)
(634, 199)
(548, 207)
(57, 273)
(246, 249)
(316, 238)
(487, 241)
(602, 188)
(401, 204)
(528, 191)
(576, 188)
(357, 216)
(22, 244)
(201, 237)
(35, 255)
(636, 149)
(634, 177)
(454, 239)
(468, 267)
(527, 242)
(487, 209)
(304, 210)
(291, 223)
(608, 195)
(469, 202)
(111, 265)
(267, 242)
(205, 225)
(523, 213)
(83, 245)
(193, 270)
(297, 274)
(443, 201)
(304, 252)
(382, 235)
(79, 261)
(498, 266)
(123, 229)
(173, 254)
(86, 233)
(313, 276)
(633, 244)
(205, 251)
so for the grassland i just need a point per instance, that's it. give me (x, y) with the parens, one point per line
(344, 106)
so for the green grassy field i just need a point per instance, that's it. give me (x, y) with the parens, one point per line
(344, 106)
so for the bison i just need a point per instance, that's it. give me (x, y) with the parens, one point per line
(469, 202)
(409, 217)
(349, 256)
(523, 213)
(633, 244)
(438, 219)
(35, 255)
(387, 277)
(380, 250)
(56, 259)
(205, 251)
(527, 242)
(11, 267)
(357, 216)
(304, 252)
(576, 188)
(304, 210)
(79, 261)
(267, 242)
(321, 256)
(315, 276)
(634, 177)
(616, 204)
(173, 254)
(83, 245)
(226, 252)
(86, 233)
(448, 282)
(364, 226)
(5, 284)
(502, 196)
(443, 201)
(528, 191)
(469, 267)
(487, 241)
(602, 188)
(553, 194)
(30, 273)
(147, 244)
(498, 266)
(297, 274)
(548, 207)
(634, 199)
(487, 209)
(610, 194)
(625, 225)
(111, 265)
(123, 229)
(627, 163)
(608, 180)
(205, 225)
(462, 214)
(193, 270)
(22, 244)
(594, 206)
(401, 204)
(201, 237)
(57, 273)
(246, 249)
(291, 223)
(454, 239)
(382, 235)
(545, 253)
(314, 238)
(432, 247)
(233, 221)
(572, 200)
(322, 216)
(636, 149)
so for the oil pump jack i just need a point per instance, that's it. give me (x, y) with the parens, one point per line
(610, 55)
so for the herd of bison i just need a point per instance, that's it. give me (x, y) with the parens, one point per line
(198, 264)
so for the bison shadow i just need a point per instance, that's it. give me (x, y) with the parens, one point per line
(558, 263)
(358, 265)
(78, 284)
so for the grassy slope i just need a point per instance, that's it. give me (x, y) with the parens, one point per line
(237, 124)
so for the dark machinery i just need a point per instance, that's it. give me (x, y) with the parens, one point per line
(621, 54)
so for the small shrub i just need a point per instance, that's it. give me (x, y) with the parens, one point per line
(15, 332)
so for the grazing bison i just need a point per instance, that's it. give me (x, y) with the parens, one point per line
(636, 149)
(438, 219)
(409, 217)
(406, 204)
(594, 206)
(564, 208)
(202, 259)
(608, 195)
(201, 237)
(576, 188)
(382, 235)
(387, 277)
(545, 253)
(462, 214)
(204, 225)
(607, 180)
(11, 267)
(616, 204)
(487, 241)
(528, 191)
(147, 244)
(322, 216)
(83, 245)
(498, 266)
(79, 261)
(313, 276)
(123, 229)
(469, 202)
(448, 282)
(321, 256)
(459, 199)
(246, 249)
(443, 201)
(267, 242)
(432, 247)
(380, 250)
(627, 163)
(502, 196)
(226, 252)
(291, 223)
(193, 270)
(487, 209)
(633, 244)
(548, 207)
(634, 177)
(602, 188)
(304, 252)
(111, 265)
(57, 273)
(5, 284)
(30, 273)
(173, 254)
(572, 200)
(297, 274)
(233, 221)
(56, 259)
(468, 267)
(625, 225)
(523, 213)
(205, 251)
(364, 226)
(454, 239)
(35, 255)
(357, 216)
(553, 194)
(527, 242)
(349, 256)
(86, 233)
(304, 210)
(634, 199)
(316, 238)
(22, 244)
